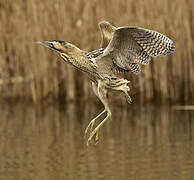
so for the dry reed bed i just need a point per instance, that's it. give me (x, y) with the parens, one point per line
(40, 72)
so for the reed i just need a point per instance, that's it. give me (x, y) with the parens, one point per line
(31, 72)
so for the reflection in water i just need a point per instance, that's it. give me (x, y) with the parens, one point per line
(46, 143)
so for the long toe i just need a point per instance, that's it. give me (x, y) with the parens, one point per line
(90, 126)
(96, 138)
(92, 122)
(93, 136)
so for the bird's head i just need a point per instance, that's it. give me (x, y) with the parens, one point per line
(65, 49)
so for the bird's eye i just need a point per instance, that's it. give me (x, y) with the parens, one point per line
(51, 44)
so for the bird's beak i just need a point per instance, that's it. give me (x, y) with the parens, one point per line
(47, 44)
(44, 43)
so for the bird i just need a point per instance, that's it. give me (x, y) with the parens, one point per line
(122, 49)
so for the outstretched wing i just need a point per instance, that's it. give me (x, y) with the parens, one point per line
(107, 30)
(131, 44)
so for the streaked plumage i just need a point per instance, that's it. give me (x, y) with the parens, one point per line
(122, 49)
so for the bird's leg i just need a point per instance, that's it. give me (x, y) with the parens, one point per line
(102, 94)
(92, 122)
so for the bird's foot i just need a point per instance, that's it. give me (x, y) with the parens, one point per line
(129, 100)
(90, 126)
(92, 123)
(94, 136)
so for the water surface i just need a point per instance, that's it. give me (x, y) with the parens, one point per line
(41, 142)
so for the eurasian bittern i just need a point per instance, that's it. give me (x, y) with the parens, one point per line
(121, 50)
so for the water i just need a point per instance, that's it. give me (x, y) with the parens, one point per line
(46, 142)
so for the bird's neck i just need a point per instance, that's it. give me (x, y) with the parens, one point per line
(77, 58)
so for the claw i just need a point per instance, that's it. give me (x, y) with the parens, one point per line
(129, 100)
(96, 138)
(93, 133)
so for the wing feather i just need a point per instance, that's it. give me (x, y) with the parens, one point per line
(107, 30)
(131, 44)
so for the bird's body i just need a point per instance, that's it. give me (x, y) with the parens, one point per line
(122, 50)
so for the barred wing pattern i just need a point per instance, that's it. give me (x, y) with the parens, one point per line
(95, 53)
(152, 42)
(130, 45)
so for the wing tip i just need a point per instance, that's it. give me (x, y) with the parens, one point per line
(171, 48)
